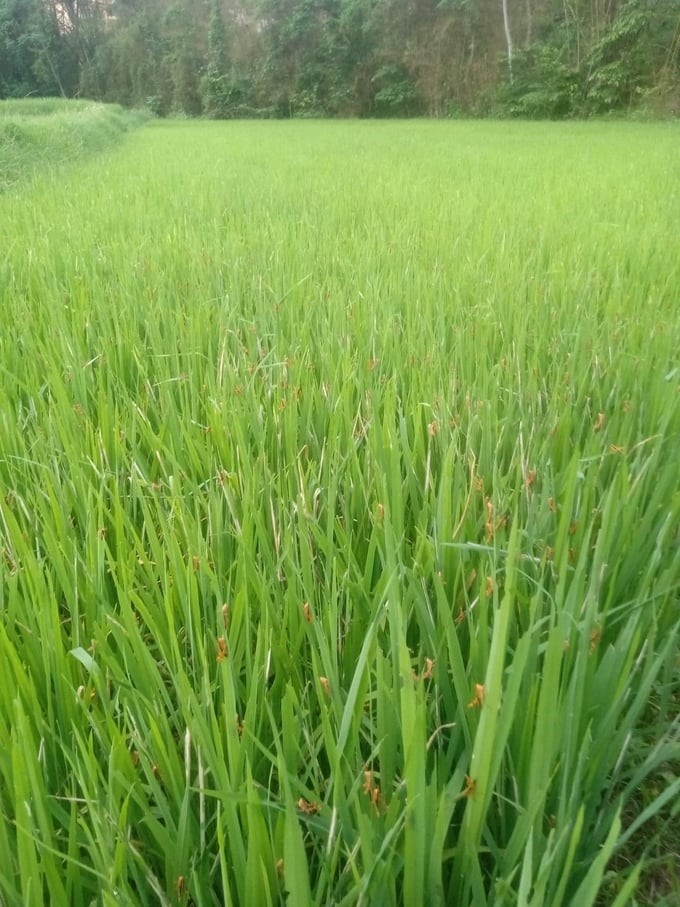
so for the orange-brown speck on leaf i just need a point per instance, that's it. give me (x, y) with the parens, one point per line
(470, 787)
(529, 478)
(307, 612)
(489, 586)
(433, 428)
(552, 506)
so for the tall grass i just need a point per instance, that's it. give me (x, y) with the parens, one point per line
(39, 134)
(340, 516)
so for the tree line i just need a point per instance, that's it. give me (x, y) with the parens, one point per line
(366, 58)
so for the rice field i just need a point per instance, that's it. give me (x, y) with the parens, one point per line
(340, 517)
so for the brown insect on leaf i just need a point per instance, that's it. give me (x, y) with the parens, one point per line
(222, 649)
(309, 809)
(477, 700)
(307, 612)
(325, 684)
(429, 669)
(470, 787)
(427, 673)
(489, 523)
(599, 422)
(372, 791)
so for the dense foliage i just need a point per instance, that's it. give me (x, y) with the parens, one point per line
(224, 59)
(40, 134)
(339, 526)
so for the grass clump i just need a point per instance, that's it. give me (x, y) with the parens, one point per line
(39, 134)
(339, 514)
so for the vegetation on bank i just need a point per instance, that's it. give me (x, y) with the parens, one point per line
(339, 517)
(348, 58)
(38, 134)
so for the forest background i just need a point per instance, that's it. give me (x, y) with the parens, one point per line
(359, 58)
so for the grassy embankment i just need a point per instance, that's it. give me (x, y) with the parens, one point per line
(340, 517)
(41, 133)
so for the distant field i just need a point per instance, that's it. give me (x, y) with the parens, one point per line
(340, 517)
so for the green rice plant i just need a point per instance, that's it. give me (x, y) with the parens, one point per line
(339, 516)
